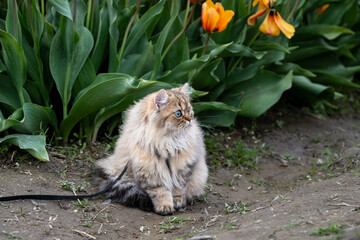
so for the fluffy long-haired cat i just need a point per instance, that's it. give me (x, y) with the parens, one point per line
(164, 146)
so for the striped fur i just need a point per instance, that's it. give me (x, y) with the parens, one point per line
(166, 155)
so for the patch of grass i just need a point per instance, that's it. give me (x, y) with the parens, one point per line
(287, 157)
(82, 203)
(87, 224)
(236, 208)
(318, 138)
(13, 236)
(291, 226)
(232, 152)
(214, 149)
(228, 226)
(280, 123)
(333, 228)
(172, 223)
(326, 163)
(4, 148)
(257, 181)
(71, 186)
(240, 155)
(112, 143)
(22, 214)
(230, 183)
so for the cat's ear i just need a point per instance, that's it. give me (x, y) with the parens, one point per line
(185, 89)
(161, 99)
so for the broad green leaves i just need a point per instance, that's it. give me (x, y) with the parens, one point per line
(93, 60)
(34, 144)
(68, 53)
(106, 89)
(15, 62)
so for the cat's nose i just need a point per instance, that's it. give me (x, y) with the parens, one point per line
(187, 118)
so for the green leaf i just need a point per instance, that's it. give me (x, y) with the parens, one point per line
(34, 23)
(309, 49)
(106, 90)
(179, 73)
(329, 32)
(15, 62)
(30, 119)
(259, 93)
(12, 21)
(283, 68)
(13, 120)
(34, 144)
(206, 106)
(8, 93)
(68, 53)
(266, 45)
(331, 71)
(138, 64)
(100, 49)
(205, 77)
(160, 43)
(311, 92)
(337, 11)
(63, 7)
(85, 78)
(242, 8)
(139, 30)
(81, 11)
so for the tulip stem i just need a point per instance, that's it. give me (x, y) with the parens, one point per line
(293, 10)
(181, 32)
(172, 8)
(186, 13)
(128, 30)
(249, 7)
(240, 58)
(206, 43)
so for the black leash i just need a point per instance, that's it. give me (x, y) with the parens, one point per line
(64, 197)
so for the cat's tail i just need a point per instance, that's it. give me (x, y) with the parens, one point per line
(125, 191)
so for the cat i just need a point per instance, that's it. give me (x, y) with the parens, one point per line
(164, 146)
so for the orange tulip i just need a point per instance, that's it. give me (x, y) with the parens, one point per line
(214, 18)
(321, 9)
(274, 23)
(261, 10)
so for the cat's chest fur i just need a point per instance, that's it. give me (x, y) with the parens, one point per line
(176, 150)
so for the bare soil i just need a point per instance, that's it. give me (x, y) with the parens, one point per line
(306, 186)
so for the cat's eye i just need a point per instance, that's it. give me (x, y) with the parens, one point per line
(178, 114)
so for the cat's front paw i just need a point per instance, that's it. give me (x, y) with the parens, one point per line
(164, 210)
(179, 202)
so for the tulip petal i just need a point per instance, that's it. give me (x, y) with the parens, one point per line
(219, 8)
(214, 18)
(321, 9)
(255, 2)
(209, 17)
(225, 18)
(210, 4)
(269, 26)
(261, 10)
(287, 29)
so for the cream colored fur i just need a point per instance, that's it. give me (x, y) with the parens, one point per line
(167, 161)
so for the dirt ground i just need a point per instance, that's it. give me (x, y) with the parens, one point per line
(305, 185)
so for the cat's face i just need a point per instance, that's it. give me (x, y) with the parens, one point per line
(173, 109)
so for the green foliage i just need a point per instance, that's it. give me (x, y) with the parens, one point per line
(333, 228)
(172, 223)
(71, 66)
